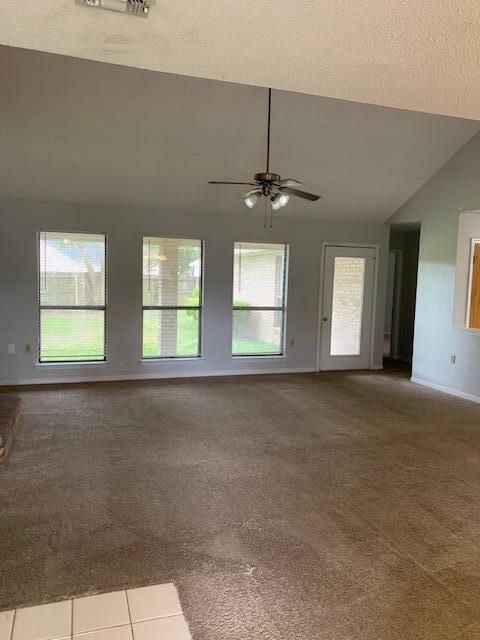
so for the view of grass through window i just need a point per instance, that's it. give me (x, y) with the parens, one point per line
(72, 297)
(172, 297)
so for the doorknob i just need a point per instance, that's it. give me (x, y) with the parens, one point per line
(325, 319)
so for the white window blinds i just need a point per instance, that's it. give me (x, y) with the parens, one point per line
(72, 297)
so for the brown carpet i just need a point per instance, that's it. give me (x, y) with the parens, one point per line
(293, 507)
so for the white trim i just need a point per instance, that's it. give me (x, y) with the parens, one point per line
(448, 390)
(72, 364)
(162, 361)
(255, 356)
(152, 376)
(472, 332)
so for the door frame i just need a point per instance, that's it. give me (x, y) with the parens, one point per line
(355, 245)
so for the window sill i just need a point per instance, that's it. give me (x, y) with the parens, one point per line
(74, 365)
(257, 357)
(473, 332)
(170, 360)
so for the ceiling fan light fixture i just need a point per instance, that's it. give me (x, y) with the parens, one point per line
(269, 185)
(280, 200)
(251, 199)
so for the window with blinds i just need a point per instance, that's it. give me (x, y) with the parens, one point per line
(72, 297)
(259, 294)
(172, 297)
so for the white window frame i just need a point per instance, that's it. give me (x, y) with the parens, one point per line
(283, 308)
(198, 308)
(71, 307)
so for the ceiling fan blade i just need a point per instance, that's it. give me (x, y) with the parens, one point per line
(289, 182)
(248, 184)
(300, 194)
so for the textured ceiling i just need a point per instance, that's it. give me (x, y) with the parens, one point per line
(414, 54)
(82, 131)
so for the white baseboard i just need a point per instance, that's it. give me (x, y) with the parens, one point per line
(449, 390)
(148, 376)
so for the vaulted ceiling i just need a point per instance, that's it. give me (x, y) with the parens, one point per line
(420, 55)
(82, 131)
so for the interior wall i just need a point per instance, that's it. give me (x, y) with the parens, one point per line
(437, 206)
(21, 221)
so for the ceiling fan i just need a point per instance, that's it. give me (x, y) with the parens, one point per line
(271, 185)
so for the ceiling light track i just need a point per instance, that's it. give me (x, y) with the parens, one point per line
(133, 7)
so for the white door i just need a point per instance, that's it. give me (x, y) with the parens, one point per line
(348, 284)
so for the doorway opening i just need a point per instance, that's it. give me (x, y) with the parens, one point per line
(401, 297)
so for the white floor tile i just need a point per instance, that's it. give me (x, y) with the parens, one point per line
(100, 612)
(174, 628)
(158, 601)
(6, 619)
(45, 622)
(114, 633)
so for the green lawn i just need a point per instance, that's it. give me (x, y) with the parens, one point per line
(80, 336)
(67, 335)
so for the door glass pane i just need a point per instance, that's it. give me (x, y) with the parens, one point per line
(257, 332)
(72, 334)
(171, 333)
(347, 306)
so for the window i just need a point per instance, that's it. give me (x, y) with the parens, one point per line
(72, 297)
(172, 297)
(259, 283)
(473, 314)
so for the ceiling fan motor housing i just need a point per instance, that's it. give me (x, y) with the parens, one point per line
(267, 177)
(133, 7)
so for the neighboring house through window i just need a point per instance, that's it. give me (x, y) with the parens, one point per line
(259, 294)
(72, 297)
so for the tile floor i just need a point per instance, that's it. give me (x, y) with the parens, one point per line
(147, 613)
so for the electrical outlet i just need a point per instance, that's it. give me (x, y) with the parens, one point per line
(28, 348)
(453, 359)
(11, 349)
(292, 342)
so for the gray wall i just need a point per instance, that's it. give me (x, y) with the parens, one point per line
(20, 222)
(453, 189)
